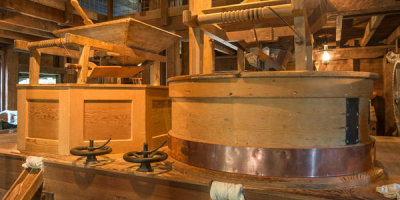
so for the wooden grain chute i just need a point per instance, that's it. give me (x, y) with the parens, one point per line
(27, 186)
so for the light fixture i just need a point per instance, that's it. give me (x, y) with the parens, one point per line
(325, 55)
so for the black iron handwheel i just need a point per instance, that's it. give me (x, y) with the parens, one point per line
(87, 151)
(137, 157)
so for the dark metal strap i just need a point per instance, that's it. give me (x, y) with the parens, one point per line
(352, 120)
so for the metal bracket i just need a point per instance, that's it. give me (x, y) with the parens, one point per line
(352, 120)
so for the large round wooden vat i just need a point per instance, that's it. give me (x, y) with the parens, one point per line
(285, 124)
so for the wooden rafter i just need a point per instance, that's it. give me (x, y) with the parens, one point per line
(27, 21)
(372, 25)
(18, 36)
(339, 27)
(24, 30)
(393, 36)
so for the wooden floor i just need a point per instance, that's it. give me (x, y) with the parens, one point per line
(66, 177)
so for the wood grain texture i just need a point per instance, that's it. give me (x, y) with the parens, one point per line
(43, 119)
(107, 119)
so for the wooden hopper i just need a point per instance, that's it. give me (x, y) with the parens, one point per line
(128, 31)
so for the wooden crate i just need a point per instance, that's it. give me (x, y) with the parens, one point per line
(56, 118)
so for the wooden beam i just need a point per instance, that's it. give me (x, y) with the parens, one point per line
(269, 34)
(174, 63)
(110, 9)
(355, 52)
(339, 27)
(302, 42)
(370, 30)
(68, 16)
(164, 11)
(60, 5)
(224, 49)
(155, 73)
(27, 21)
(20, 45)
(393, 36)
(18, 36)
(34, 67)
(24, 30)
(6, 41)
(38, 10)
(200, 50)
(245, 6)
(240, 60)
(83, 62)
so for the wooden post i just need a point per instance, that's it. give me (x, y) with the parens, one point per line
(2, 82)
(200, 48)
(155, 73)
(303, 49)
(83, 62)
(34, 67)
(174, 64)
(68, 12)
(209, 57)
(240, 60)
(110, 9)
(12, 78)
(164, 12)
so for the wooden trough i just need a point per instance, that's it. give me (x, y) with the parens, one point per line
(273, 124)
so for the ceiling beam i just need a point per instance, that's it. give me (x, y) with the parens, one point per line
(39, 11)
(27, 21)
(354, 52)
(224, 49)
(6, 41)
(18, 36)
(393, 36)
(24, 30)
(370, 30)
(339, 27)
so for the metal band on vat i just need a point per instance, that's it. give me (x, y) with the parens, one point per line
(275, 162)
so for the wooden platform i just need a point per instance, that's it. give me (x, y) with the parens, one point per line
(67, 178)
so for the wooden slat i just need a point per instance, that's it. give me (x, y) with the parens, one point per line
(240, 60)
(268, 34)
(224, 49)
(21, 45)
(26, 185)
(114, 71)
(339, 26)
(372, 26)
(155, 73)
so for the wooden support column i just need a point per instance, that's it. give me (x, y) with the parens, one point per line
(34, 66)
(240, 60)
(110, 9)
(339, 25)
(68, 12)
(155, 73)
(83, 62)
(174, 63)
(209, 57)
(164, 12)
(11, 75)
(303, 49)
(200, 51)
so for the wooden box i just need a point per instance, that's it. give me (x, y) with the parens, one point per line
(56, 118)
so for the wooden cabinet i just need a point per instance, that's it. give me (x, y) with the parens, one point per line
(56, 118)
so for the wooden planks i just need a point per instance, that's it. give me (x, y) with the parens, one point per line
(26, 186)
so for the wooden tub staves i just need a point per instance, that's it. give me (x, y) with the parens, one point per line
(279, 124)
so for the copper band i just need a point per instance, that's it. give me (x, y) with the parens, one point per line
(276, 162)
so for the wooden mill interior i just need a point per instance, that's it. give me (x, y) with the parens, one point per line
(207, 100)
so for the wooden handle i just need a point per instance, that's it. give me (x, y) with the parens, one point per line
(82, 13)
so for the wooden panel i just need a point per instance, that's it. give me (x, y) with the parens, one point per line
(107, 118)
(43, 119)
(261, 122)
(160, 117)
